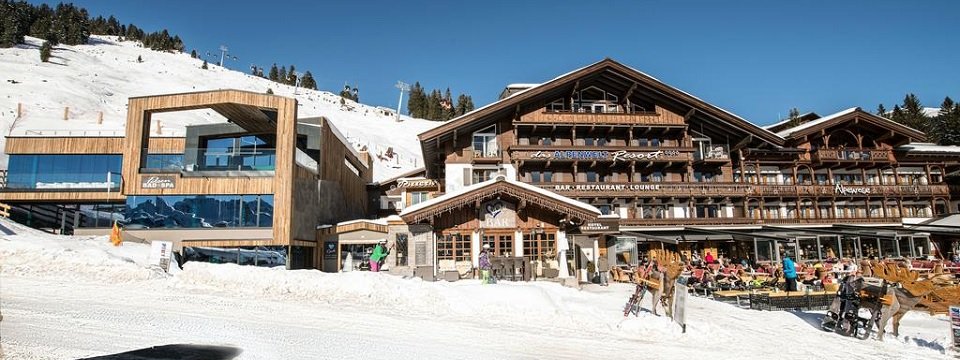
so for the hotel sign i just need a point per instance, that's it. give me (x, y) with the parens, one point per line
(620, 155)
(608, 187)
(498, 214)
(852, 190)
(601, 226)
(158, 182)
(416, 183)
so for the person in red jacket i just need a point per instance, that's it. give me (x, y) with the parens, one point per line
(708, 258)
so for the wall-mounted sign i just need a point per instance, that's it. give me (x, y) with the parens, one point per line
(608, 187)
(158, 182)
(851, 190)
(497, 214)
(601, 226)
(620, 155)
(416, 183)
(330, 250)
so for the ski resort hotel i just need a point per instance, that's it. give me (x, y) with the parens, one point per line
(596, 166)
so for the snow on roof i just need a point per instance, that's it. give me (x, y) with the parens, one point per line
(491, 182)
(930, 148)
(381, 221)
(521, 85)
(784, 121)
(816, 122)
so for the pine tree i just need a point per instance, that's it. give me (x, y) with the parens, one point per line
(270, 91)
(308, 82)
(948, 123)
(434, 109)
(193, 53)
(204, 66)
(282, 75)
(416, 101)
(793, 118)
(464, 105)
(45, 51)
(882, 111)
(273, 75)
(912, 113)
(291, 76)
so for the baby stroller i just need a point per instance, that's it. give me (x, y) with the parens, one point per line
(844, 315)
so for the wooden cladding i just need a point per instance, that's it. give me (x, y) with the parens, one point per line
(660, 189)
(249, 110)
(851, 155)
(64, 145)
(746, 220)
(171, 145)
(62, 196)
(660, 116)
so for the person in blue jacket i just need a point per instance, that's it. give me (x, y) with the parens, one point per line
(790, 273)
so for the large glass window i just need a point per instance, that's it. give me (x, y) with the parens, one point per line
(199, 211)
(237, 153)
(418, 197)
(485, 143)
(626, 251)
(86, 171)
(164, 162)
(454, 246)
(539, 246)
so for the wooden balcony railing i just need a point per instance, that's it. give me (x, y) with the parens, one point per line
(746, 220)
(657, 117)
(851, 155)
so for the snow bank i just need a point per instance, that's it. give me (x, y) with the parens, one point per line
(31, 253)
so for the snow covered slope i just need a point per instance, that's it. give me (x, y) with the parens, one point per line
(100, 76)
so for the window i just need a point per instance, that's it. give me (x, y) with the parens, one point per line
(454, 246)
(418, 197)
(485, 143)
(199, 211)
(548, 176)
(401, 249)
(164, 162)
(236, 153)
(535, 176)
(643, 142)
(588, 142)
(648, 211)
(704, 176)
(500, 244)
(350, 166)
(64, 171)
(591, 176)
(626, 251)
(605, 209)
(481, 175)
(539, 246)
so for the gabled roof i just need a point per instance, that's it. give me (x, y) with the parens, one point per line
(847, 115)
(496, 186)
(639, 77)
(781, 125)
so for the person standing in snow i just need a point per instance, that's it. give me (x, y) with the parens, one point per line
(379, 253)
(485, 264)
(790, 273)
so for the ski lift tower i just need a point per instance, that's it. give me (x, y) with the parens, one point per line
(223, 52)
(296, 82)
(403, 87)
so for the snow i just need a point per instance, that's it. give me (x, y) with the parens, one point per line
(806, 125)
(101, 76)
(481, 185)
(74, 297)
(930, 147)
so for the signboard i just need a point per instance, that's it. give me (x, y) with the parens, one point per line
(851, 190)
(608, 187)
(160, 254)
(330, 250)
(601, 226)
(420, 251)
(416, 183)
(158, 182)
(955, 325)
(497, 214)
(680, 305)
(620, 155)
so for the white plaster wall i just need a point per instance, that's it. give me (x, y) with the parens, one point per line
(453, 179)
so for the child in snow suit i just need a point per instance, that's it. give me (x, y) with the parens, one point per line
(485, 264)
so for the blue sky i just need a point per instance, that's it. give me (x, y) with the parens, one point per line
(755, 58)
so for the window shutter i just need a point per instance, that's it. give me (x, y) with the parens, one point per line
(467, 176)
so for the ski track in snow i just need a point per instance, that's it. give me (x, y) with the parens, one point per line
(70, 297)
(102, 75)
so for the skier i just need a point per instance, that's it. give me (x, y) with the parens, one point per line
(790, 273)
(485, 264)
(379, 253)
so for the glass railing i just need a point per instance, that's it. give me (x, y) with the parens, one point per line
(213, 159)
(63, 182)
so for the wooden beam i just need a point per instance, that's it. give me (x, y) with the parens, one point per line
(746, 141)
(689, 114)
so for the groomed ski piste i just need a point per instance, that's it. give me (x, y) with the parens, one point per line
(73, 297)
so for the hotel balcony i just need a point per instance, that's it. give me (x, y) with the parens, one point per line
(487, 156)
(747, 220)
(851, 156)
(657, 118)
